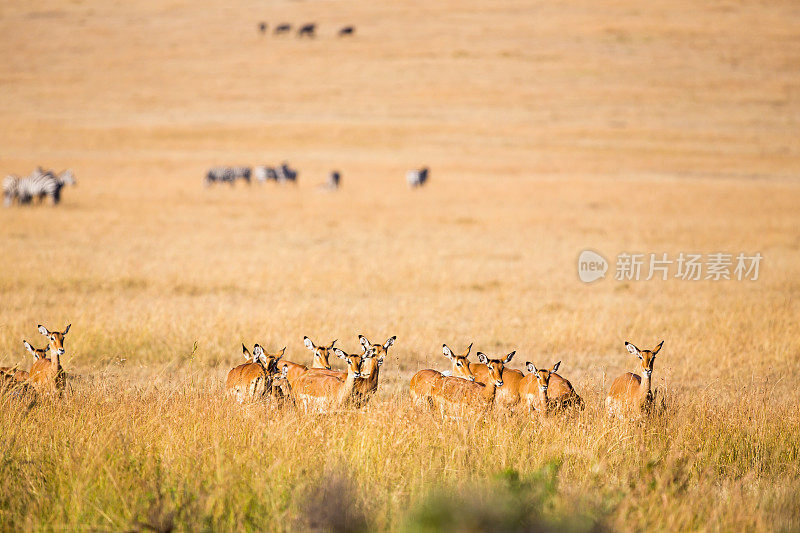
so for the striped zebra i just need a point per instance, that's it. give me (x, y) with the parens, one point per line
(227, 175)
(265, 173)
(39, 185)
(417, 178)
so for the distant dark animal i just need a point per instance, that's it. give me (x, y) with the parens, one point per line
(307, 30)
(282, 28)
(347, 30)
(286, 173)
(227, 175)
(265, 173)
(417, 178)
(333, 180)
(262, 27)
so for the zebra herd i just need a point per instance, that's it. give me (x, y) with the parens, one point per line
(281, 174)
(40, 184)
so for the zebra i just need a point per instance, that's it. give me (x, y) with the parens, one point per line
(417, 178)
(282, 28)
(265, 173)
(347, 30)
(227, 175)
(10, 189)
(43, 183)
(307, 30)
(285, 173)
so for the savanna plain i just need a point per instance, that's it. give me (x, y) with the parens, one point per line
(549, 128)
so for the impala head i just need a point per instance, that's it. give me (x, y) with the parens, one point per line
(378, 350)
(460, 363)
(496, 366)
(321, 353)
(354, 362)
(56, 338)
(542, 376)
(268, 360)
(646, 357)
(38, 353)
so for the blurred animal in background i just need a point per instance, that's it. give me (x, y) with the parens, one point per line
(307, 30)
(282, 28)
(417, 178)
(347, 30)
(262, 27)
(227, 175)
(40, 184)
(333, 181)
(286, 173)
(265, 173)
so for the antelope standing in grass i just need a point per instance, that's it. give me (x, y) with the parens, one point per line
(450, 392)
(280, 391)
(546, 392)
(319, 390)
(252, 379)
(423, 381)
(320, 362)
(631, 393)
(47, 375)
(508, 396)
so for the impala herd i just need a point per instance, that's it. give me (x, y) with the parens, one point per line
(476, 387)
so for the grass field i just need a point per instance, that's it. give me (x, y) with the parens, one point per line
(549, 129)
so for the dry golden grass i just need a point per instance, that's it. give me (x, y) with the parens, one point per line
(549, 129)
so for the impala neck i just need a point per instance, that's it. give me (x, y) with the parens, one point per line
(489, 391)
(543, 398)
(644, 386)
(374, 369)
(55, 358)
(347, 388)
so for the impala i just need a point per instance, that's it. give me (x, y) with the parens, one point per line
(318, 390)
(630, 392)
(252, 379)
(423, 381)
(450, 392)
(320, 362)
(508, 395)
(546, 391)
(47, 375)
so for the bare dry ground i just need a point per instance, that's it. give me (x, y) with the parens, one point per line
(549, 128)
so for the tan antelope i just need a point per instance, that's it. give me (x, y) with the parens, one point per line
(23, 375)
(318, 390)
(547, 392)
(450, 392)
(508, 396)
(320, 362)
(47, 375)
(253, 378)
(630, 393)
(422, 383)
(280, 390)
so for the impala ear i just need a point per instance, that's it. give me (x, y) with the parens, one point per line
(30, 349)
(364, 342)
(509, 357)
(482, 358)
(262, 357)
(43, 330)
(657, 348)
(530, 366)
(339, 353)
(633, 349)
(332, 343)
(47, 348)
(67, 330)
(284, 370)
(283, 351)
(246, 352)
(446, 351)
(469, 349)
(308, 343)
(389, 342)
(555, 366)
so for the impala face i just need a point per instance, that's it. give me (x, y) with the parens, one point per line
(542, 376)
(354, 362)
(460, 364)
(646, 357)
(378, 350)
(56, 338)
(321, 353)
(38, 353)
(495, 366)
